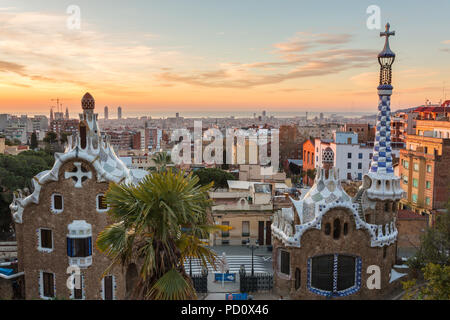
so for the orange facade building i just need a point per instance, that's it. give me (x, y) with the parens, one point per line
(309, 163)
(424, 167)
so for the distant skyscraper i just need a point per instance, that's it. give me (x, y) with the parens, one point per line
(119, 112)
(51, 115)
(177, 115)
(67, 113)
(321, 116)
(106, 113)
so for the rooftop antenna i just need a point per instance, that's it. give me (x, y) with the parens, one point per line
(443, 91)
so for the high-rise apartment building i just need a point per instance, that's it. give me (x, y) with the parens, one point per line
(424, 167)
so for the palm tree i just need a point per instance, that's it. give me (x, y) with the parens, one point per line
(161, 159)
(158, 224)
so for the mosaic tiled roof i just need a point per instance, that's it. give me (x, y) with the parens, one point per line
(326, 194)
(96, 151)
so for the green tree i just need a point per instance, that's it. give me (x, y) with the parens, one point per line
(433, 260)
(161, 160)
(436, 286)
(51, 137)
(435, 244)
(33, 141)
(13, 142)
(218, 176)
(16, 172)
(157, 224)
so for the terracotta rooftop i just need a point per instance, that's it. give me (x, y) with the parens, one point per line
(430, 109)
(410, 215)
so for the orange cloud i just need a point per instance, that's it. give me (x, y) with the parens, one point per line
(297, 61)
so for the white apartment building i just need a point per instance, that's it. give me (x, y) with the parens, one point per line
(322, 131)
(247, 207)
(351, 158)
(20, 127)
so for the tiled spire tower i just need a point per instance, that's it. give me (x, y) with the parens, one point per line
(382, 153)
(381, 181)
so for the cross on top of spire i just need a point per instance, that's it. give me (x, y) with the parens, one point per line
(387, 52)
(387, 33)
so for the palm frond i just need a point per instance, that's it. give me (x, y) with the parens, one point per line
(172, 286)
(150, 223)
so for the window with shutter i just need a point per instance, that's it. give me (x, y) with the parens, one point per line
(346, 272)
(48, 285)
(334, 275)
(245, 228)
(101, 203)
(57, 203)
(108, 287)
(79, 248)
(285, 263)
(322, 273)
(46, 239)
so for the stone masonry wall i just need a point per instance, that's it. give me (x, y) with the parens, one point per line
(79, 204)
(315, 242)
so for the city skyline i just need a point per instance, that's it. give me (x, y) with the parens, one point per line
(211, 150)
(219, 56)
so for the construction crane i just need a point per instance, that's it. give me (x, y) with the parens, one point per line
(58, 105)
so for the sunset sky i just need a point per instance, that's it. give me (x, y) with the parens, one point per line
(207, 55)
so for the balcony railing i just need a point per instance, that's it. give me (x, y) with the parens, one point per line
(81, 262)
(242, 207)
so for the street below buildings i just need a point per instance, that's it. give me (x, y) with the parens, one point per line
(236, 257)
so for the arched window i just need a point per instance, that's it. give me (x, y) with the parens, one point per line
(345, 229)
(297, 279)
(327, 229)
(386, 207)
(384, 252)
(336, 229)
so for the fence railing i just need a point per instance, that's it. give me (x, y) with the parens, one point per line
(256, 283)
(200, 282)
